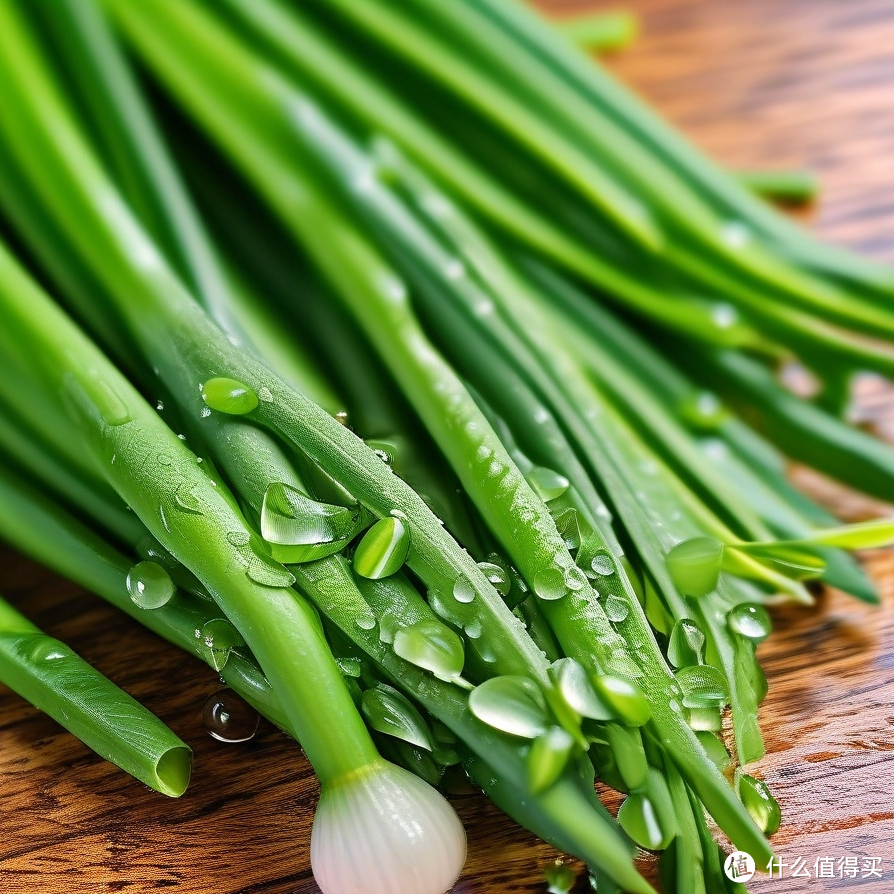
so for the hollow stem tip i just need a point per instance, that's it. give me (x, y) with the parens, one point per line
(382, 830)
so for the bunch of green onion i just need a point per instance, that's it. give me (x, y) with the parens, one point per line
(396, 416)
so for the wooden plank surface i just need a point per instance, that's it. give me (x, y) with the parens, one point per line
(779, 83)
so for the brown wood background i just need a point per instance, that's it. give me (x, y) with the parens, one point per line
(778, 83)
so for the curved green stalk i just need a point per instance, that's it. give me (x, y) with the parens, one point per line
(87, 495)
(40, 528)
(602, 32)
(311, 56)
(787, 187)
(154, 188)
(437, 57)
(429, 32)
(357, 272)
(433, 553)
(48, 674)
(719, 189)
(151, 468)
(563, 814)
(801, 429)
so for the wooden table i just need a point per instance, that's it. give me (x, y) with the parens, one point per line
(778, 83)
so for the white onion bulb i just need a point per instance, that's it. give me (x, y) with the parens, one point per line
(385, 831)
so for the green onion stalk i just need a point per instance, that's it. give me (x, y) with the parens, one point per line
(717, 188)
(331, 74)
(128, 263)
(445, 42)
(630, 529)
(538, 550)
(47, 673)
(499, 49)
(159, 477)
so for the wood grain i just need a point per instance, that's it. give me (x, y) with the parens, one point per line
(778, 83)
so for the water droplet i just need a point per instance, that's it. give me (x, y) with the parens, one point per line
(548, 485)
(575, 579)
(227, 718)
(703, 410)
(40, 647)
(624, 697)
(149, 585)
(160, 406)
(639, 818)
(383, 549)
(724, 316)
(389, 711)
(217, 639)
(568, 526)
(164, 459)
(616, 609)
(735, 234)
(686, 645)
(485, 652)
(229, 396)
(256, 561)
(602, 563)
(549, 583)
(751, 621)
(289, 518)
(433, 646)
(265, 570)
(446, 608)
(390, 623)
(513, 704)
(547, 759)
(702, 686)
(760, 803)
(454, 269)
(573, 684)
(265, 395)
(341, 417)
(463, 591)
(497, 576)
(349, 667)
(385, 457)
(205, 413)
(365, 621)
(694, 565)
(473, 629)
(186, 500)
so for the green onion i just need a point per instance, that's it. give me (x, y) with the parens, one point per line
(601, 32)
(48, 674)
(468, 448)
(787, 187)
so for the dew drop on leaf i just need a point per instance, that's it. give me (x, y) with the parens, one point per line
(149, 585)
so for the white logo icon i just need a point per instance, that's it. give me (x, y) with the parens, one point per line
(738, 866)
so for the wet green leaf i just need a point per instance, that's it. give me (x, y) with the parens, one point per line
(513, 704)
(694, 565)
(548, 757)
(388, 711)
(383, 549)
